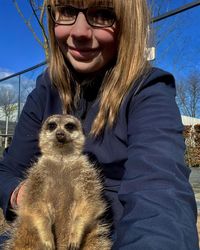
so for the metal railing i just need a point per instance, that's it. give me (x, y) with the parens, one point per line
(10, 107)
(176, 11)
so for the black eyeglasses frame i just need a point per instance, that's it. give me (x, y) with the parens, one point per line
(84, 11)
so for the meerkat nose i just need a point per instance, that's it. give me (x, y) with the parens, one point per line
(60, 135)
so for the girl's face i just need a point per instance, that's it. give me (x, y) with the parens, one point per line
(87, 48)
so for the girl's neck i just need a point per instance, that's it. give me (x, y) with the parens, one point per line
(87, 78)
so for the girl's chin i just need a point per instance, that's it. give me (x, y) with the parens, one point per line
(86, 66)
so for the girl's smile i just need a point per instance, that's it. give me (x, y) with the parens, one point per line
(83, 54)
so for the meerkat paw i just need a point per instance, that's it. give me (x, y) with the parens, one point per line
(74, 240)
(48, 245)
(72, 247)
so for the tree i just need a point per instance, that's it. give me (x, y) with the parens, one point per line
(37, 14)
(8, 107)
(8, 99)
(188, 95)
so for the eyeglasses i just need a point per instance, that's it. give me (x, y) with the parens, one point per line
(96, 16)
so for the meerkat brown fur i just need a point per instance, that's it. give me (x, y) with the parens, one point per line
(62, 205)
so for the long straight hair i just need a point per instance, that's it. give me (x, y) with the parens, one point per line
(131, 61)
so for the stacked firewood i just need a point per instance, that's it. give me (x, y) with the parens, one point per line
(192, 141)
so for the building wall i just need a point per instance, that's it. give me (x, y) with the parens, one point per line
(187, 120)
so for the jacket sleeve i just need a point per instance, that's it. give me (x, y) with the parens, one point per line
(24, 146)
(159, 205)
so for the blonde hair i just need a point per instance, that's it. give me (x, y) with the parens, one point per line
(131, 62)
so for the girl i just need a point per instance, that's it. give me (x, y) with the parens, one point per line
(98, 71)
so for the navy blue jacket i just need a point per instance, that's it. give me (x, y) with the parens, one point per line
(142, 158)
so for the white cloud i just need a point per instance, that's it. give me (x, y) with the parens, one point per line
(4, 73)
(27, 84)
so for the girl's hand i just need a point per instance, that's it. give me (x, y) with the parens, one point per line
(17, 195)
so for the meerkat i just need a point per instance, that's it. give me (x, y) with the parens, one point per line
(62, 206)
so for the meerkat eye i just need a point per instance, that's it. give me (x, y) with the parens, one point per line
(51, 126)
(70, 126)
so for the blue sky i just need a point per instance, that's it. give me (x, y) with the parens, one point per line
(178, 52)
(179, 49)
(18, 48)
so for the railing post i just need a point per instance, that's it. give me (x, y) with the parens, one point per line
(6, 137)
(19, 98)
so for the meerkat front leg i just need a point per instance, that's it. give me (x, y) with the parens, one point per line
(80, 221)
(98, 238)
(43, 221)
(34, 230)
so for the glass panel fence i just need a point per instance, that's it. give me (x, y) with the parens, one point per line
(13, 93)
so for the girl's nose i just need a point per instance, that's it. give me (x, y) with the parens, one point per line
(81, 29)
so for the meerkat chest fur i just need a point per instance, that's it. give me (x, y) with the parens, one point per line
(60, 173)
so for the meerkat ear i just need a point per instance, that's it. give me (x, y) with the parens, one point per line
(47, 120)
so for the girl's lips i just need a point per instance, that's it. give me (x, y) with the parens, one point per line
(84, 54)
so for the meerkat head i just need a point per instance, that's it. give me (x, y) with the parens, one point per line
(61, 134)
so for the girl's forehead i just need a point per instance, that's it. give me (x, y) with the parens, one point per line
(85, 3)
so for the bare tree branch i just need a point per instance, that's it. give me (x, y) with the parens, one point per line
(188, 95)
(8, 98)
(39, 21)
(36, 6)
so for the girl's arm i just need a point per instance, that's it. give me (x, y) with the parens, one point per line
(159, 204)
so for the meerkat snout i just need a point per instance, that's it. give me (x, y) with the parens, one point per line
(60, 136)
(63, 134)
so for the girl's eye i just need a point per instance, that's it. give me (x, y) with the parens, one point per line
(101, 16)
(70, 126)
(65, 13)
(51, 126)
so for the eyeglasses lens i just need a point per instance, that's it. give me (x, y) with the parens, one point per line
(65, 15)
(100, 17)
